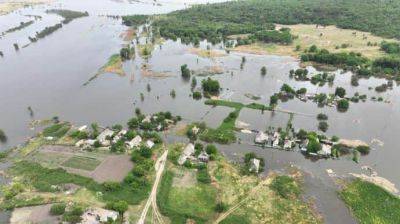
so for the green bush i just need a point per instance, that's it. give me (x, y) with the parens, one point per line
(57, 209)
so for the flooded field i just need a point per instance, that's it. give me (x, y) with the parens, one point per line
(48, 76)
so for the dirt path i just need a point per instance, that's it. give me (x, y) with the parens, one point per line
(152, 200)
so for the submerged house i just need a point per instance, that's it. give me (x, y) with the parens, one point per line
(261, 138)
(276, 138)
(187, 152)
(326, 150)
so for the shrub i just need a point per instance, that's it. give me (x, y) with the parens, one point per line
(57, 209)
(197, 95)
(211, 149)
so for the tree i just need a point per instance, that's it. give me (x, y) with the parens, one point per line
(323, 126)
(3, 137)
(322, 117)
(263, 70)
(341, 92)
(210, 86)
(302, 134)
(343, 105)
(119, 206)
(273, 100)
(185, 71)
(313, 145)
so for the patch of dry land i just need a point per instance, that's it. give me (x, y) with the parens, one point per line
(329, 37)
(8, 6)
(33, 214)
(114, 65)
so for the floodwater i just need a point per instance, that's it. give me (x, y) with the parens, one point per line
(49, 75)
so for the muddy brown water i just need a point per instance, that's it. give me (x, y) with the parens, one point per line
(48, 76)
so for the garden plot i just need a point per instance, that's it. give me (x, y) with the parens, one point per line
(99, 166)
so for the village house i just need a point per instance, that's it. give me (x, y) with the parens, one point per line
(149, 144)
(119, 136)
(84, 143)
(254, 165)
(103, 137)
(187, 152)
(98, 215)
(135, 142)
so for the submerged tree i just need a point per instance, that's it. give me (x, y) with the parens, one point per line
(3, 137)
(263, 70)
(185, 71)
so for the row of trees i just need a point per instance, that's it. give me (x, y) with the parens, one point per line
(215, 22)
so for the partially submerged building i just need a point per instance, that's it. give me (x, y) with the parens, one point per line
(261, 138)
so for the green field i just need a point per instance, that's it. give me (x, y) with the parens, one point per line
(371, 203)
(42, 179)
(82, 162)
(179, 203)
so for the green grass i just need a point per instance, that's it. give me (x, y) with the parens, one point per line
(234, 219)
(237, 105)
(57, 130)
(371, 203)
(82, 162)
(50, 160)
(225, 134)
(42, 178)
(179, 204)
